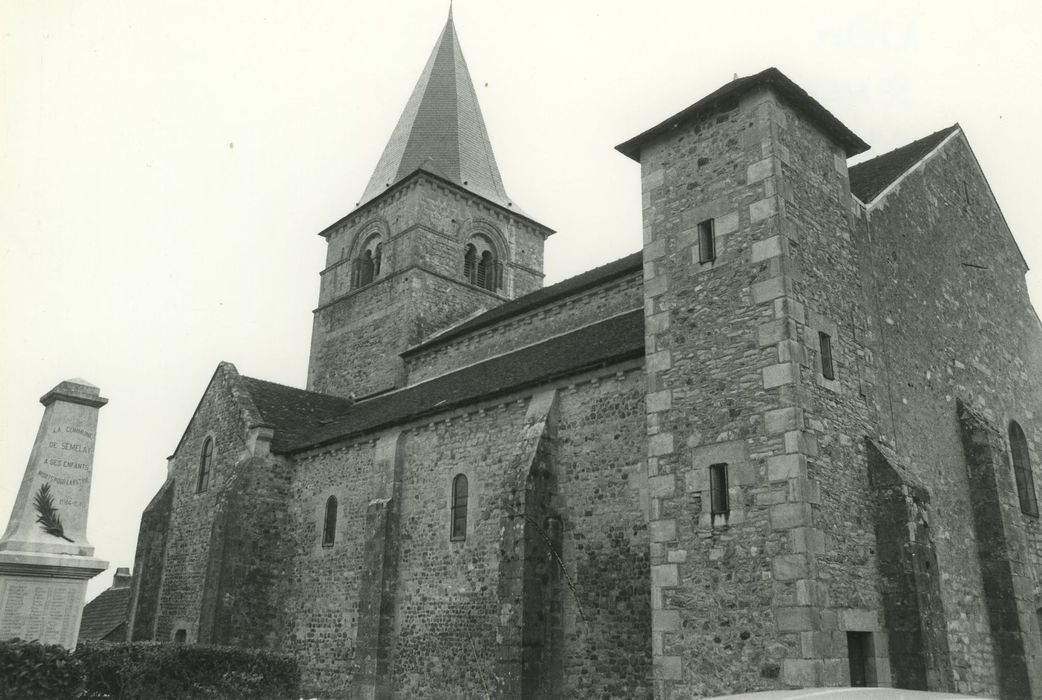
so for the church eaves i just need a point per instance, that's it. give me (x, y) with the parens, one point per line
(442, 131)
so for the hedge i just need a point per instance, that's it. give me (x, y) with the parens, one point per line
(33, 671)
(145, 670)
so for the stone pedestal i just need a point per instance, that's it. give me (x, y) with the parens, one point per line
(45, 559)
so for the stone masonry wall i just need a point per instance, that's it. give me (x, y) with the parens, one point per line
(567, 314)
(185, 579)
(839, 591)
(325, 579)
(424, 226)
(766, 595)
(148, 565)
(356, 340)
(948, 296)
(447, 607)
(717, 395)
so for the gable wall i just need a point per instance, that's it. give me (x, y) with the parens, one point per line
(189, 540)
(949, 330)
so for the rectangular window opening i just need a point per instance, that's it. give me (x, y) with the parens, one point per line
(860, 657)
(825, 343)
(718, 497)
(706, 241)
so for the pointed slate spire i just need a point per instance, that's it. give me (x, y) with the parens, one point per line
(441, 130)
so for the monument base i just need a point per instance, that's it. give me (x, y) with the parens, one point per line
(41, 595)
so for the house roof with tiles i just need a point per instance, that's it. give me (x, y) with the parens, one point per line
(610, 341)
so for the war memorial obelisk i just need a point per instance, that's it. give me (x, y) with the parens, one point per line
(45, 559)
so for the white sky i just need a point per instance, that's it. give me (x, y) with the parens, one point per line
(165, 166)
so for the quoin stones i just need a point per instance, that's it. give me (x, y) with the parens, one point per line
(45, 558)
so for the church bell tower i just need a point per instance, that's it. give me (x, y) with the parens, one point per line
(434, 240)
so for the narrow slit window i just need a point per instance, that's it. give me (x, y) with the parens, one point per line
(1018, 446)
(706, 241)
(719, 501)
(329, 523)
(205, 466)
(825, 343)
(459, 508)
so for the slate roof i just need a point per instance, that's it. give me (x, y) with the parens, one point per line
(606, 342)
(294, 413)
(870, 178)
(105, 613)
(441, 130)
(573, 285)
(733, 90)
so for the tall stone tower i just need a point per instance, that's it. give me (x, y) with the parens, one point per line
(755, 338)
(434, 240)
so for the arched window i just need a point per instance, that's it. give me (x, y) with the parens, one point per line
(1018, 446)
(459, 508)
(366, 267)
(329, 523)
(481, 265)
(205, 465)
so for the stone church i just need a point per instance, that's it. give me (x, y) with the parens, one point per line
(793, 440)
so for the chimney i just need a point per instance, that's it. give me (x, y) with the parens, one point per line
(121, 579)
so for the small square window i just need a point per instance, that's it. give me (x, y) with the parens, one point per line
(706, 241)
(825, 343)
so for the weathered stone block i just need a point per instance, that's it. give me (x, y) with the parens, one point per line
(668, 668)
(759, 170)
(779, 375)
(767, 290)
(663, 530)
(763, 209)
(790, 567)
(767, 248)
(663, 575)
(785, 516)
(782, 420)
(787, 466)
(796, 619)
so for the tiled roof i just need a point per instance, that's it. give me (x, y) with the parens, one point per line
(105, 613)
(733, 90)
(591, 278)
(441, 130)
(870, 178)
(612, 340)
(293, 412)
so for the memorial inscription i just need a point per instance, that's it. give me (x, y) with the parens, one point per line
(45, 558)
(38, 610)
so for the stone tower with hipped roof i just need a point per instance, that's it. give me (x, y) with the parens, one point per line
(434, 239)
